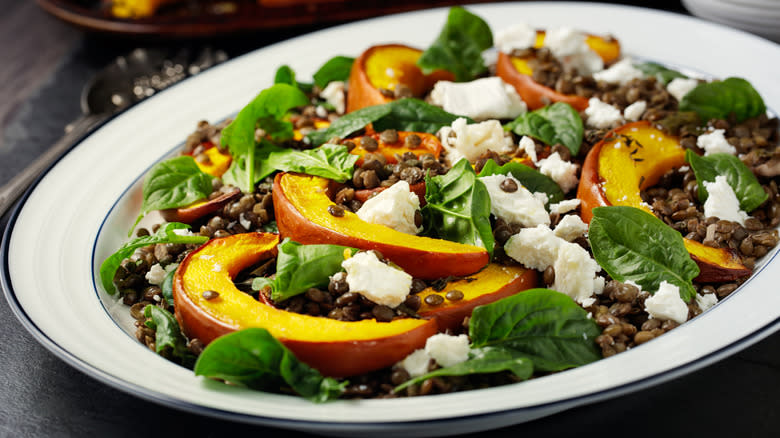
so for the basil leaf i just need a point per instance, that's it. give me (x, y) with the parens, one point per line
(482, 361)
(236, 173)
(631, 244)
(335, 69)
(300, 267)
(286, 75)
(403, 114)
(531, 179)
(166, 234)
(168, 334)
(719, 99)
(267, 110)
(173, 183)
(663, 74)
(331, 161)
(556, 123)
(539, 323)
(745, 184)
(459, 47)
(167, 287)
(255, 359)
(458, 207)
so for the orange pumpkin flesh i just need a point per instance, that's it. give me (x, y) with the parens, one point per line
(533, 93)
(301, 205)
(429, 144)
(191, 213)
(615, 172)
(335, 348)
(217, 163)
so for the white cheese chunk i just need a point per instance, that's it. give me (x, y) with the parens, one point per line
(634, 111)
(570, 48)
(471, 141)
(528, 145)
(679, 87)
(722, 202)
(518, 207)
(562, 172)
(715, 142)
(156, 274)
(518, 36)
(394, 207)
(536, 248)
(706, 301)
(448, 350)
(602, 115)
(375, 280)
(416, 364)
(570, 228)
(666, 304)
(620, 72)
(333, 93)
(481, 99)
(565, 206)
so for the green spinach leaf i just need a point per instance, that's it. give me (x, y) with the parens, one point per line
(531, 179)
(236, 173)
(168, 334)
(719, 99)
(255, 359)
(556, 123)
(300, 267)
(266, 111)
(328, 161)
(458, 207)
(172, 183)
(486, 360)
(167, 287)
(745, 184)
(166, 234)
(631, 244)
(663, 74)
(459, 47)
(335, 69)
(546, 326)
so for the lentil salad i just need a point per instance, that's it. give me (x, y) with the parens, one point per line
(618, 311)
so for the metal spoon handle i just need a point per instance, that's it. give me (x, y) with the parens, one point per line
(12, 190)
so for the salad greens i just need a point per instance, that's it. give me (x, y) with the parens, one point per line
(663, 74)
(331, 161)
(556, 123)
(740, 178)
(720, 99)
(531, 179)
(168, 337)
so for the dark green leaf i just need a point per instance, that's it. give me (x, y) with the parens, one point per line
(544, 325)
(168, 334)
(267, 110)
(255, 359)
(271, 227)
(458, 207)
(236, 174)
(531, 179)
(739, 176)
(167, 287)
(349, 123)
(172, 183)
(328, 161)
(335, 69)
(556, 123)
(286, 75)
(459, 47)
(663, 74)
(486, 360)
(165, 234)
(631, 244)
(719, 99)
(300, 267)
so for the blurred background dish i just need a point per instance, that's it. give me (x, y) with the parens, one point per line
(761, 17)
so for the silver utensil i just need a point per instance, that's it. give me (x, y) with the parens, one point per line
(126, 81)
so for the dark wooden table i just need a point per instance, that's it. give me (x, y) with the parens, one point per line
(44, 66)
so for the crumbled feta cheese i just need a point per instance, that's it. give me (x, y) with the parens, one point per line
(679, 87)
(575, 271)
(634, 111)
(620, 72)
(518, 207)
(715, 142)
(471, 141)
(542, 197)
(562, 172)
(722, 202)
(448, 350)
(156, 274)
(602, 115)
(706, 301)
(570, 48)
(666, 304)
(182, 232)
(481, 99)
(375, 280)
(394, 207)
(570, 228)
(518, 36)
(333, 93)
(529, 146)
(565, 206)
(416, 364)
